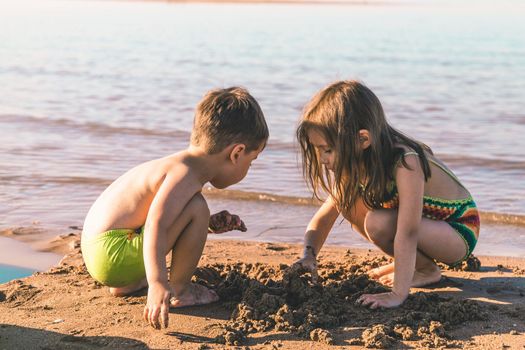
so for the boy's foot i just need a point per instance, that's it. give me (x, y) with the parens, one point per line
(127, 290)
(422, 277)
(195, 294)
(381, 271)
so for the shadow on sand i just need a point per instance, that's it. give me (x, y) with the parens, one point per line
(17, 337)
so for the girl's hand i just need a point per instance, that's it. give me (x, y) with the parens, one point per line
(157, 305)
(308, 262)
(388, 300)
(223, 221)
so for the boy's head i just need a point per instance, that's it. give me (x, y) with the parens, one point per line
(228, 116)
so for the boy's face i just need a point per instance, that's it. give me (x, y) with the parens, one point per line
(237, 171)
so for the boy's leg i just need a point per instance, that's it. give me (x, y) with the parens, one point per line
(127, 290)
(436, 240)
(186, 239)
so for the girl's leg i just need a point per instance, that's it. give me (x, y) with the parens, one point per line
(356, 216)
(436, 240)
(186, 240)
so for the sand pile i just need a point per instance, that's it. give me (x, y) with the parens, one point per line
(263, 298)
(471, 263)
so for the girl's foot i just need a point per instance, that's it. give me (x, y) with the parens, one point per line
(127, 290)
(422, 277)
(194, 294)
(387, 280)
(381, 271)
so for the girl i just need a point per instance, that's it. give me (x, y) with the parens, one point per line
(391, 188)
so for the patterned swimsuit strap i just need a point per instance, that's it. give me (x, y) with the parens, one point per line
(439, 165)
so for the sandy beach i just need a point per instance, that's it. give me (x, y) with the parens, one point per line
(94, 88)
(263, 306)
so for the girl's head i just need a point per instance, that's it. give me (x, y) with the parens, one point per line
(346, 142)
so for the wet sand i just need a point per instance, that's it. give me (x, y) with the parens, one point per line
(263, 306)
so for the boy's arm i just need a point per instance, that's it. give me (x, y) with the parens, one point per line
(172, 196)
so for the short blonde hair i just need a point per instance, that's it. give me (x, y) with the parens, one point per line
(227, 116)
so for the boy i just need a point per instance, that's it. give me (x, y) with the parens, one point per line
(157, 207)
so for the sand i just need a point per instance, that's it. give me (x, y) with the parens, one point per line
(263, 306)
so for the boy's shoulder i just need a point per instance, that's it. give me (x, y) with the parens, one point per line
(173, 168)
(180, 169)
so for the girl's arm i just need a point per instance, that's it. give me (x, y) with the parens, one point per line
(316, 234)
(319, 227)
(410, 184)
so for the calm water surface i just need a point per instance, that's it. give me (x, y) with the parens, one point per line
(90, 89)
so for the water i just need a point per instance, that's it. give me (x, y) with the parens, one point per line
(90, 89)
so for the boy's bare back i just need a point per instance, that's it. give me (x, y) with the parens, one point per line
(126, 202)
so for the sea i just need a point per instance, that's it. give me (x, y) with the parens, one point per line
(89, 89)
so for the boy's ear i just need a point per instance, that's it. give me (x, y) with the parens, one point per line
(236, 152)
(364, 139)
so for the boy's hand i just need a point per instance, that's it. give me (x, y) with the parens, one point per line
(307, 263)
(157, 305)
(223, 221)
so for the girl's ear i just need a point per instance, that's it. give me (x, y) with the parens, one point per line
(236, 152)
(364, 139)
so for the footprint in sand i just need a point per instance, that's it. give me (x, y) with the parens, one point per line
(19, 293)
(275, 247)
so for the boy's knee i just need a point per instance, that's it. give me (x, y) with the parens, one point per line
(199, 205)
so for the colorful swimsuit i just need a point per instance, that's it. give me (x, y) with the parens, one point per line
(461, 214)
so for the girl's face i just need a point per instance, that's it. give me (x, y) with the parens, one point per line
(325, 152)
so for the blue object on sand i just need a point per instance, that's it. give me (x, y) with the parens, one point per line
(9, 273)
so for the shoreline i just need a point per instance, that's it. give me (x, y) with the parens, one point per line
(35, 241)
(39, 248)
(63, 307)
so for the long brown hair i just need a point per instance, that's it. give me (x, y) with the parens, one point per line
(338, 112)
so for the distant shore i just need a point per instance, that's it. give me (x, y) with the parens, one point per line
(323, 2)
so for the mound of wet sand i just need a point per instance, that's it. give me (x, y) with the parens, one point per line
(264, 298)
(471, 263)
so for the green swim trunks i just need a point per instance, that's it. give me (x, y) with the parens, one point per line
(114, 258)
